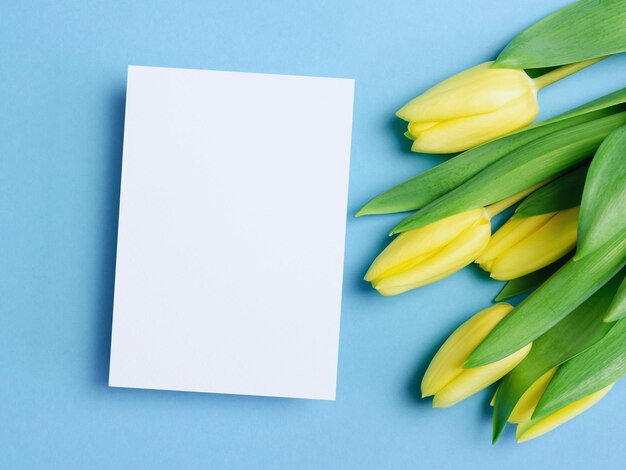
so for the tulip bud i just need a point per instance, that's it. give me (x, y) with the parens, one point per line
(527, 244)
(470, 108)
(426, 254)
(527, 403)
(533, 428)
(448, 380)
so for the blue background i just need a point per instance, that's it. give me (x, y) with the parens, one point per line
(62, 88)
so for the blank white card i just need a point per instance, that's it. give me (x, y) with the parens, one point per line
(231, 232)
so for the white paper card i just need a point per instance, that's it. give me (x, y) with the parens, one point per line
(231, 232)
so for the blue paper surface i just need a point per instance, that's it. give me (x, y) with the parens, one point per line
(62, 87)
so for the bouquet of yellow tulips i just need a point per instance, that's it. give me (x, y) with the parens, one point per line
(563, 347)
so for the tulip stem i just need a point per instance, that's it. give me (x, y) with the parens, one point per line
(562, 72)
(497, 207)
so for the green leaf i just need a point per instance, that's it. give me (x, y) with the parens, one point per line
(565, 290)
(612, 99)
(529, 281)
(437, 181)
(617, 310)
(431, 184)
(601, 365)
(534, 73)
(541, 159)
(575, 333)
(583, 30)
(603, 207)
(562, 193)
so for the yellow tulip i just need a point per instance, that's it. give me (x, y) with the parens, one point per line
(470, 108)
(531, 429)
(524, 245)
(448, 380)
(475, 106)
(526, 405)
(426, 254)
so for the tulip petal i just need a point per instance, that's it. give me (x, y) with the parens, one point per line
(454, 256)
(537, 427)
(448, 362)
(478, 90)
(462, 133)
(473, 380)
(415, 128)
(530, 281)
(549, 243)
(511, 233)
(527, 403)
(470, 75)
(409, 247)
(493, 398)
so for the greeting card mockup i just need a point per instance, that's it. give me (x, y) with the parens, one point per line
(231, 232)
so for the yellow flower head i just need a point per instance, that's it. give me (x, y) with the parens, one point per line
(426, 254)
(470, 108)
(524, 245)
(532, 428)
(448, 380)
